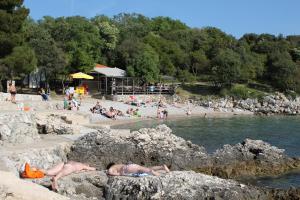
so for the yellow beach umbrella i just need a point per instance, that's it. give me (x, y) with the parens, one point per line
(81, 75)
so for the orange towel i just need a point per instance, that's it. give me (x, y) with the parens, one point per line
(28, 173)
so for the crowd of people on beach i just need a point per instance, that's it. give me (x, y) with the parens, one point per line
(72, 101)
(111, 113)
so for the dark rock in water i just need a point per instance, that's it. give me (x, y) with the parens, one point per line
(251, 157)
(279, 194)
(145, 147)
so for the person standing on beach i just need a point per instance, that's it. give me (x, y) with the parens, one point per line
(13, 91)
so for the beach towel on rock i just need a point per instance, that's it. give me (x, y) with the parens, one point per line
(138, 174)
(28, 173)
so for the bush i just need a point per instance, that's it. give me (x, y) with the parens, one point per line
(240, 91)
(291, 94)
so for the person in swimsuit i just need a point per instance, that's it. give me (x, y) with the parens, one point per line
(127, 170)
(58, 171)
(13, 91)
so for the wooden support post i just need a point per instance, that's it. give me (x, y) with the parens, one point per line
(106, 85)
(122, 86)
(98, 83)
(133, 86)
(112, 85)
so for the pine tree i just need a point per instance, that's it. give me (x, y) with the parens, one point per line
(12, 16)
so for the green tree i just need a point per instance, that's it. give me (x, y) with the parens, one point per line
(199, 62)
(132, 25)
(108, 32)
(80, 40)
(12, 16)
(166, 25)
(20, 62)
(282, 71)
(252, 64)
(185, 76)
(146, 64)
(295, 53)
(227, 67)
(51, 60)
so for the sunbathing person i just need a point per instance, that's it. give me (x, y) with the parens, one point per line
(97, 108)
(137, 113)
(58, 171)
(129, 111)
(134, 169)
(120, 113)
(110, 114)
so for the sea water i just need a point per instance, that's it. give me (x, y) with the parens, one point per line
(212, 133)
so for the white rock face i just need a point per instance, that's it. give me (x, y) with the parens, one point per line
(18, 127)
(13, 188)
(179, 185)
(146, 146)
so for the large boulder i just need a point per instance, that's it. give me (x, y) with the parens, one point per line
(43, 155)
(54, 124)
(152, 146)
(13, 188)
(18, 127)
(179, 186)
(250, 158)
(81, 186)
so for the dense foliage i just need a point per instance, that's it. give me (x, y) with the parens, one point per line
(144, 47)
(16, 58)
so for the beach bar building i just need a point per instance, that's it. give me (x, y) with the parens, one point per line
(111, 81)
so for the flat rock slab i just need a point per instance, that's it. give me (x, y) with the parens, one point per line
(13, 188)
(179, 185)
(48, 151)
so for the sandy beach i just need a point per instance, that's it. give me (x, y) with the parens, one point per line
(85, 117)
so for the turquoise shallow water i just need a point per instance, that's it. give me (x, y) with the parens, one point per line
(213, 133)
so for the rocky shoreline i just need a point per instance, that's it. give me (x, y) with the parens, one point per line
(268, 105)
(42, 141)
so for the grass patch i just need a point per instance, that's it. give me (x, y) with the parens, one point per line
(207, 91)
(241, 91)
(197, 91)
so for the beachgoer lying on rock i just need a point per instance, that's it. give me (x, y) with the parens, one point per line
(119, 113)
(130, 111)
(110, 114)
(134, 169)
(137, 113)
(97, 108)
(58, 171)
